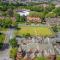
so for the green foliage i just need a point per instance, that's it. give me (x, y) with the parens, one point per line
(6, 23)
(37, 8)
(1, 40)
(35, 31)
(6, 6)
(37, 14)
(13, 43)
(55, 29)
(10, 12)
(20, 18)
(3, 8)
(17, 17)
(4, 14)
(13, 52)
(41, 58)
(46, 58)
(58, 57)
(40, 11)
(49, 8)
(27, 35)
(40, 8)
(57, 11)
(34, 8)
(50, 15)
(34, 14)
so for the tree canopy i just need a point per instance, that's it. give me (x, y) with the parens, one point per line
(20, 18)
(13, 43)
(57, 11)
(51, 15)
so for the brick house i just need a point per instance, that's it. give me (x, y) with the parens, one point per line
(33, 19)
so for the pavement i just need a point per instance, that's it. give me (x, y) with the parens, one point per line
(4, 53)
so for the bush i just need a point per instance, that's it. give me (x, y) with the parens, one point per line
(13, 53)
(51, 15)
(13, 43)
(1, 40)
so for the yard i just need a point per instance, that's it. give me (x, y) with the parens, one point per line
(46, 58)
(58, 57)
(35, 31)
(40, 58)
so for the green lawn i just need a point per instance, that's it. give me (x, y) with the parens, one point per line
(58, 57)
(35, 31)
(45, 58)
(41, 58)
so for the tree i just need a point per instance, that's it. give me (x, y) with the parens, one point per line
(55, 29)
(50, 15)
(1, 40)
(4, 14)
(37, 8)
(42, 16)
(23, 18)
(27, 35)
(17, 17)
(57, 11)
(10, 12)
(7, 22)
(3, 7)
(13, 43)
(49, 8)
(1, 22)
(20, 18)
(13, 53)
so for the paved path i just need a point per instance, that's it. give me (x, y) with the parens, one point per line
(4, 55)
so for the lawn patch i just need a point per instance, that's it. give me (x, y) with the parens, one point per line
(35, 31)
